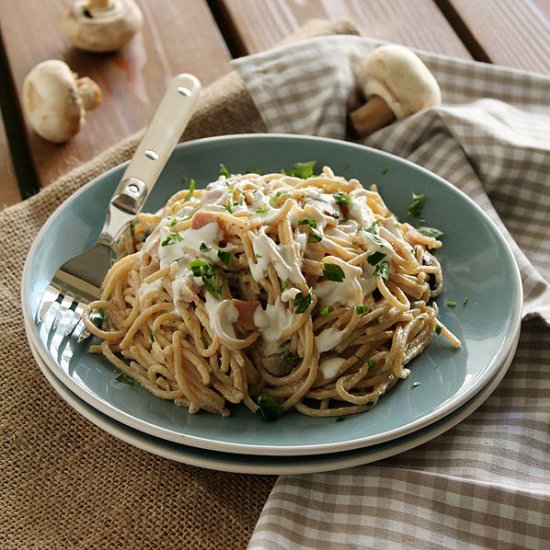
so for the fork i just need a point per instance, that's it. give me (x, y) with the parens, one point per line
(78, 281)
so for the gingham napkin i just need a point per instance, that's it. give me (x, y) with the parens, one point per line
(484, 484)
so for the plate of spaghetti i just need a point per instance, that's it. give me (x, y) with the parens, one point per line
(275, 286)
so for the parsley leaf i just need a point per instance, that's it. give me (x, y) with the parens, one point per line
(451, 303)
(333, 272)
(153, 334)
(226, 257)
(341, 198)
(124, 379)
(371, 363)
(315, 237)
(208, 275)
(224, 171)
(171, 238)
(430, 232)
(376, 257)
(415, 207)
(303, 170)
(97, 316)
(269, 409)
(382, 269)
(325, 311)
(361, 309)
(204, 247)
(192, 185)
(301, 302)
(262, 210)
(308, 221)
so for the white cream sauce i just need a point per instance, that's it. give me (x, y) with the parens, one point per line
(328, 339)
(329, 367)
(273, 321)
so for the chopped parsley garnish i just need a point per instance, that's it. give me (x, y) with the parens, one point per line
(269, 409)
(451, 303)
(192, 185)
(382, 269)
(262, 210)
(438, 329)
(333, 272)
(303, 170)
(301, 302)
(153, 334)
(226, 257)
(315, 236)
(124, 379)
(205, 342)
(171, 238)
(229, 207)
(385, 170)
(376, 258)
(325, 311)
(416, 384)
(173, 222)
(224, 171)
(465, 301)
(308, 221)
(204, 247)
(415, 207)
(372, 227)
(97, 316)
(371, 363)
(430, 232)
(208, 275)
(284, 284)
(361, 309)
(342, 198)
(133, 225)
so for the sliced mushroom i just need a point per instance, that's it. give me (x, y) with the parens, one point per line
(55, 100)
(396, 84)
(102, 25)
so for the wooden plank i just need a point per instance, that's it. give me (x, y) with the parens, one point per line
(515, 33)
(9, 190)
(259, 24)
(178, 36)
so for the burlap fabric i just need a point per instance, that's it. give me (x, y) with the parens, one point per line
(66, 484)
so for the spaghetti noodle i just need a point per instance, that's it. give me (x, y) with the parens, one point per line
(275, 291)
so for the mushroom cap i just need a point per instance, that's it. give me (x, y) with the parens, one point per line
(400, 78)
(51, 101)
(102, 30)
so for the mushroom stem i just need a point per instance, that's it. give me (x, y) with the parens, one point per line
(370, 117)
(99, 5)
(89, 92)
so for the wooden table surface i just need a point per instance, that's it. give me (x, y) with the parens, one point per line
(201, 37)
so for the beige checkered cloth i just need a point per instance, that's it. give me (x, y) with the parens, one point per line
(486, 483)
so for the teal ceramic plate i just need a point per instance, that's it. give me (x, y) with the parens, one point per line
(273, 465)
(478, 266)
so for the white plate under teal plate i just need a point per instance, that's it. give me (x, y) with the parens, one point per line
(272, 465)
(478, 265)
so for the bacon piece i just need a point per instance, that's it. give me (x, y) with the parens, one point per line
(202, 218)
(246, 313)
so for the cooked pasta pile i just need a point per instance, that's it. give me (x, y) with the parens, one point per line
(273, 290)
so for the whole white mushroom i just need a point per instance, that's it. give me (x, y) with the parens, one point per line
(102, 25)
(396, 84)
(55, 100)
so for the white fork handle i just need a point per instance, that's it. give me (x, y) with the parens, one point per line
(154, 150)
